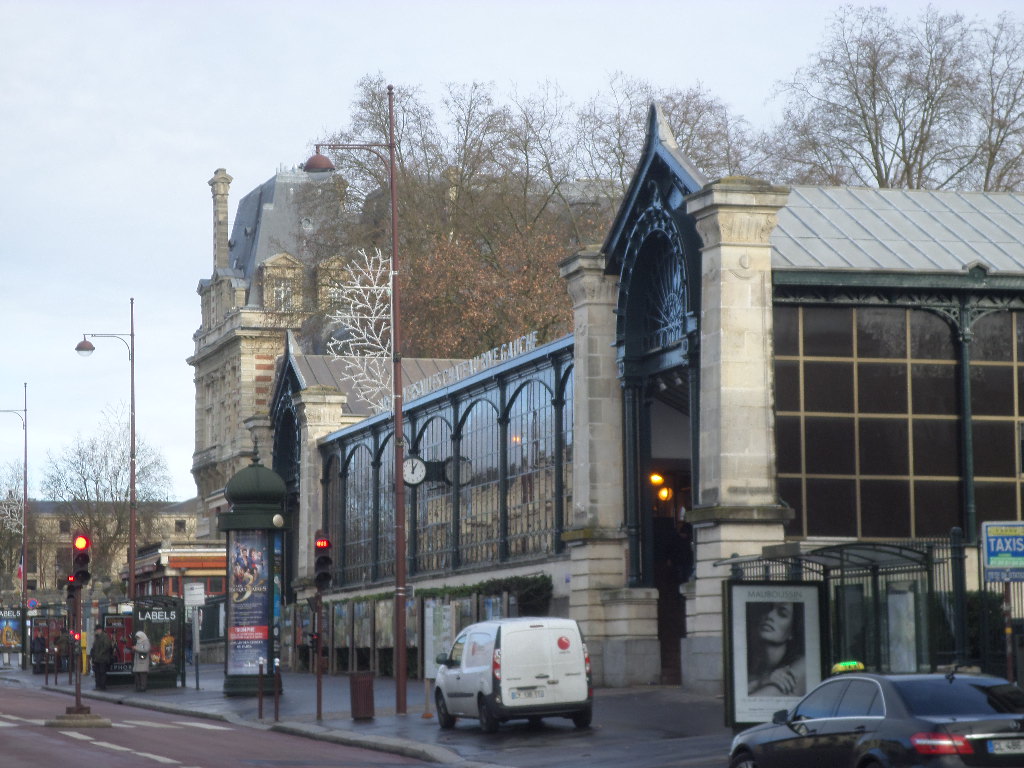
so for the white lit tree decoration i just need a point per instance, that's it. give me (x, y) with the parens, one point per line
(12, 517)
(363, 341)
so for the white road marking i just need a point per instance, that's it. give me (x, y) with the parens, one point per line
(152, 724)
(78, 735)
(108, 745)
(8, 725)
(31, 721)
(157, 758)
(207, 726)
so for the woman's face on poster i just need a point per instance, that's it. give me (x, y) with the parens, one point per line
(776, 623)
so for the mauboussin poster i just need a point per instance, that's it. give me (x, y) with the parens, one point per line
(248, 614)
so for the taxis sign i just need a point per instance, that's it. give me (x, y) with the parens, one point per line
(1004, 550)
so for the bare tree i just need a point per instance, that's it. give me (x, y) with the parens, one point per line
(12, 518)
(89, 479)
(933, 103)
(611, 128)
(999, 109)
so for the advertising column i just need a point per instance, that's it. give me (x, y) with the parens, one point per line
(254, 524)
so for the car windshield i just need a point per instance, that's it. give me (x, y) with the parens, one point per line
(960, 697)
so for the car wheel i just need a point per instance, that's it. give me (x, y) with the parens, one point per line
(488, 722)
(582, 718)
(743, 760)
(444, 718)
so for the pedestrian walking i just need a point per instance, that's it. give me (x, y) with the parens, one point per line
(102, 653)
(62, 647)
(140, 664)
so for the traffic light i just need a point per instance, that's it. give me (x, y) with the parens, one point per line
(323, 564)
(81, 553)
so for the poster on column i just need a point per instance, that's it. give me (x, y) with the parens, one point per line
(11, 630)
(248, 619)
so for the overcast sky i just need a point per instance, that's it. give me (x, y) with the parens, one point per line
(114, 114)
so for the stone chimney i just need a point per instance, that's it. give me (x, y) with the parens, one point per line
(219, 184)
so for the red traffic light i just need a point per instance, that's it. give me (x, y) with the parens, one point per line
(71, 578)
(80, 542)
(322, 542)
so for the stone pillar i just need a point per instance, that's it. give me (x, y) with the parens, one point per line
(620, 624)
(738, 509)
(219, 185)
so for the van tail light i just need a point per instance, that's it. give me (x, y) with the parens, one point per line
(586, 659)
(496, 664)
(941, 744)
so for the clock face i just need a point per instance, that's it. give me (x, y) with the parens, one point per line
(414, 470)
(465, 470)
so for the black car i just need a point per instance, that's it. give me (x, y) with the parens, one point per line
(863, 720)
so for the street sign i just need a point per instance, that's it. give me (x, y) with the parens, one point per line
(195, 595)
(1003, 550)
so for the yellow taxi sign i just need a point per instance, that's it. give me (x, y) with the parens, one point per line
(847, 666)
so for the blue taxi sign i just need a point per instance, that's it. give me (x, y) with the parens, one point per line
(1003, 550)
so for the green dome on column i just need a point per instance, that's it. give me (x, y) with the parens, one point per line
(256, 496)
(255, 484)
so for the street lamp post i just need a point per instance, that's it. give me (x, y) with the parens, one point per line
(23, 415)
(86, 348)
(319, 163)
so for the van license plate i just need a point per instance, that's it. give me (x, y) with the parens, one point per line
(1006, 746)
(528, 693)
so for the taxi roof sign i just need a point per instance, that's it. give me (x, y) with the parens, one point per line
(847, 666)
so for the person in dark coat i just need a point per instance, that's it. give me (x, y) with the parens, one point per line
(62, 646)
(38, 653)
(102, 653)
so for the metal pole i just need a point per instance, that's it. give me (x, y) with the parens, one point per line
(24, 520)
(316, 658)
(400, 575)
(131, 469)
(1008, 629)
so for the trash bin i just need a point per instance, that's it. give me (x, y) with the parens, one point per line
(361, 689)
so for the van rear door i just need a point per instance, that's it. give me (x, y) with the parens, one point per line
(542, 663)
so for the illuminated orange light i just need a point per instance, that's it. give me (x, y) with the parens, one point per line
(656, 479)
(665, 493)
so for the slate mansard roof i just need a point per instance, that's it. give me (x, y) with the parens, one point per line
(858, 228)
(265, 222)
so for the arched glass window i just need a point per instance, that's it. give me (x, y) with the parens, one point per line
(358, 518)
(434, 501)
(478, 502)
(531, 471)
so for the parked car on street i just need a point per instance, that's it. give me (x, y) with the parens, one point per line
(863, 720)
(523, 668)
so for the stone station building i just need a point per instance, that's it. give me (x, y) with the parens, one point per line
(799, 366)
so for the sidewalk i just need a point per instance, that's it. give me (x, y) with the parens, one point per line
(649, 713)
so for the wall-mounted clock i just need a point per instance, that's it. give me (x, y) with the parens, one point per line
(414, 470)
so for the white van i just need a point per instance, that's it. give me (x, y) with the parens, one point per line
(509, 669)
